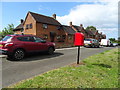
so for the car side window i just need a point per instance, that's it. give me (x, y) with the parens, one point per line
(31, 39)
(37, 39)
(27, 39)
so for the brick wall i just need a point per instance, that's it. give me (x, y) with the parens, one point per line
(45, 32)
(30, 20)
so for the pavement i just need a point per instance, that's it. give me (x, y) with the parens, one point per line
(3, 56)
(36, 64)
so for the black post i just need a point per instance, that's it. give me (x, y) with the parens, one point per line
(78, 54)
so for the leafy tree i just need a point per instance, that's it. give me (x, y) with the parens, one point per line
(112, 39)
(91, 28)
(7, 30)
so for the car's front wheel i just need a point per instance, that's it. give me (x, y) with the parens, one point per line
(18, 54)
(93, 46)
(50, 51)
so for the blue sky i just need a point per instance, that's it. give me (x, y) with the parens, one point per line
(99, 14)
(12, 12)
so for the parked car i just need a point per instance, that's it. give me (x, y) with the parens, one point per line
(16, 46)
(115, 44)
(91, 42)
(105, 42)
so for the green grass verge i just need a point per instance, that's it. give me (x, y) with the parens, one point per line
(99, 71)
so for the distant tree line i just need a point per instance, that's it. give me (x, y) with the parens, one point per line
(91, 28)
(113, 40)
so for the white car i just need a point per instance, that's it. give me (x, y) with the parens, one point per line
(115, 44)
(88, 42)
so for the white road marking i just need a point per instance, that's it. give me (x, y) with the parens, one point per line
(3, 56)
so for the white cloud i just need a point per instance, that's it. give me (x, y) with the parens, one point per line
(103, 15)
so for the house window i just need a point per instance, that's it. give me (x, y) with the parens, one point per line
(45, 36)
(45, 26)
(58, 27)
(58, 37)
(31, 26)
(27, 25)
(63, 36)
(69, 37)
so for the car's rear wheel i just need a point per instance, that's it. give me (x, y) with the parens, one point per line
(18, 54)
(50, 51)
(98, 46)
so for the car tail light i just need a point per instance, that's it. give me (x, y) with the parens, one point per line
(8, 45)
(1, 45)
(90, 41)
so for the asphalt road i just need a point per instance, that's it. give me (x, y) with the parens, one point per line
(15, 71)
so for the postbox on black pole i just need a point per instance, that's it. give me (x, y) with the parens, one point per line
(79, 41)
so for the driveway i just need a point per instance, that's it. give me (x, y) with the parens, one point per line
(35, 64)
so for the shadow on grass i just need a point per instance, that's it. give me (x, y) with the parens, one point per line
(103, 65)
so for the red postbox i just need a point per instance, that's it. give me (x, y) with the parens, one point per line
(79, 39)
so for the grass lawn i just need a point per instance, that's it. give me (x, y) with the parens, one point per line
(98, 71)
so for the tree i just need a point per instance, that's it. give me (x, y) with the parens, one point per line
(7, 30)
(91, 28)
(112, 39)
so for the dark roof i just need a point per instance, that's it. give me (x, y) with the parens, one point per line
(103, 35)
(19, 27)
(44, 19)
(68, 29)
(89, 32)
(78, 28)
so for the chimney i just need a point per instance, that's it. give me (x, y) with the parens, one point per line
(70, 23)
(21, 20)
(81, 25)
(54, 16)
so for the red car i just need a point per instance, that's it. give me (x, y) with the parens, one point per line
(16, 46)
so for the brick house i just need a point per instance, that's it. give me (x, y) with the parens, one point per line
(79, 29)
(50, 29)
(104, 36)
(88, 33)
(47, 28)
(95, 34)
(19, 29)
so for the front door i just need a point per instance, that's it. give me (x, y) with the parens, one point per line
(52, 36)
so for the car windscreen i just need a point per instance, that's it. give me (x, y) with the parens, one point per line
(6, 38)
